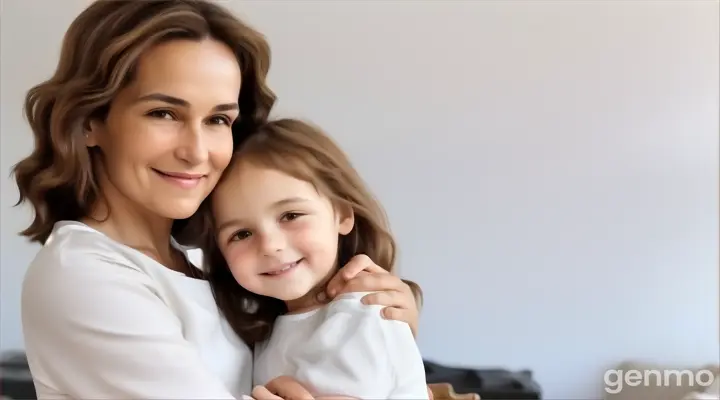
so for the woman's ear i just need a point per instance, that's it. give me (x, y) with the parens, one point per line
(346, 220)
(91, 132)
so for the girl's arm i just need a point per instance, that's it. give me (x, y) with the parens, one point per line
(95, 329)
(361, 274)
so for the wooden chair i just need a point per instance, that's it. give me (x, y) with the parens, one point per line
(445, 391)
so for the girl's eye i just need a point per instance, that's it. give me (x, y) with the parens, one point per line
(291, 216)
(161, 114)
(240, 235)
(220, 120)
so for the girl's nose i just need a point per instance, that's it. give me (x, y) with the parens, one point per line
(273, 242)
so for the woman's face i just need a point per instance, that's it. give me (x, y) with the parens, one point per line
(167, 137)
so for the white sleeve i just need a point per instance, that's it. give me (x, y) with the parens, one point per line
(357, 353)
(96, 329)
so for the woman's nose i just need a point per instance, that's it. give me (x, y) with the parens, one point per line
(192, 147)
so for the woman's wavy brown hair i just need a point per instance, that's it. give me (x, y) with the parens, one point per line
(99, 53)
(304, 152)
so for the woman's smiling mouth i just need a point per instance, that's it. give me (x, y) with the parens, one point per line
(181, 179)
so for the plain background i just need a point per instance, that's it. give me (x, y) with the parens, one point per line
(550, 168)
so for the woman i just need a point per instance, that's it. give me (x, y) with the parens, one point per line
(131, 134)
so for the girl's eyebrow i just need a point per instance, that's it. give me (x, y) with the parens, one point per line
(231, 223)
(289, 200)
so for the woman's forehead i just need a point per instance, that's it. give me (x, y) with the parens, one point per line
(193, 71)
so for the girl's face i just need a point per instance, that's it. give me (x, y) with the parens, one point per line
(167, 137)
(277, 233)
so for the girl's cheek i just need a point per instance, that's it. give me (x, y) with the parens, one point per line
(236, 255)
(303, 226)
(302, 233)
(241, 265)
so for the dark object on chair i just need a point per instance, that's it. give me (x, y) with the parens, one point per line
(490, 384)
(15, 379)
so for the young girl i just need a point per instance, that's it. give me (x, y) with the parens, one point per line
(288, 212)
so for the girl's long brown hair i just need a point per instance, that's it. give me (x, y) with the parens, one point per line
(304, 152)
(98, 56)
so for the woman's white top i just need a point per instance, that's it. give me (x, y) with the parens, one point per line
(104, 321)
(344, 349)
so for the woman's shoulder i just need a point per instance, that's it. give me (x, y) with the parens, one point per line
(73, 236)
(70, 240)
(81, 267)
(77, 254)
(76, 265)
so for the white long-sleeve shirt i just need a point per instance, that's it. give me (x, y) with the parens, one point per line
(344, 349)
(104, 321)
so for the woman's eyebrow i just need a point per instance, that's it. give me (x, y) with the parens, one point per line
(182, 102)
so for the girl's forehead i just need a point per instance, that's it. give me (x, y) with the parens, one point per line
(250, 184)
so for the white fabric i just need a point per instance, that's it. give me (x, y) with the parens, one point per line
(104, 321)
(712, 392)
(345, 349)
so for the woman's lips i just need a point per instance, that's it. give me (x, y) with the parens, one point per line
(181, 179)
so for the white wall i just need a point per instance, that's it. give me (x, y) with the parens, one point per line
(550, 167)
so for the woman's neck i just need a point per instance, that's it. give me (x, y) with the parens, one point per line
(132, 228)
(124, 221)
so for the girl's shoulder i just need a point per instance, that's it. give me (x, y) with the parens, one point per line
(350, 304)
(350, 300)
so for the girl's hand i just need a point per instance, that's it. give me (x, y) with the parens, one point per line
(361, 274)
(281, 388)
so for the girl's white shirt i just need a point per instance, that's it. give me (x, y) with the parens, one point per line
(345, 348)
(104, 321)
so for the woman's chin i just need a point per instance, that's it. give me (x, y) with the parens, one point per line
(178, 210)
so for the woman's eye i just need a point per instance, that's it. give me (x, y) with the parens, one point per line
(220, 120)
(291, 216)
(161, 114)
(240, 235)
